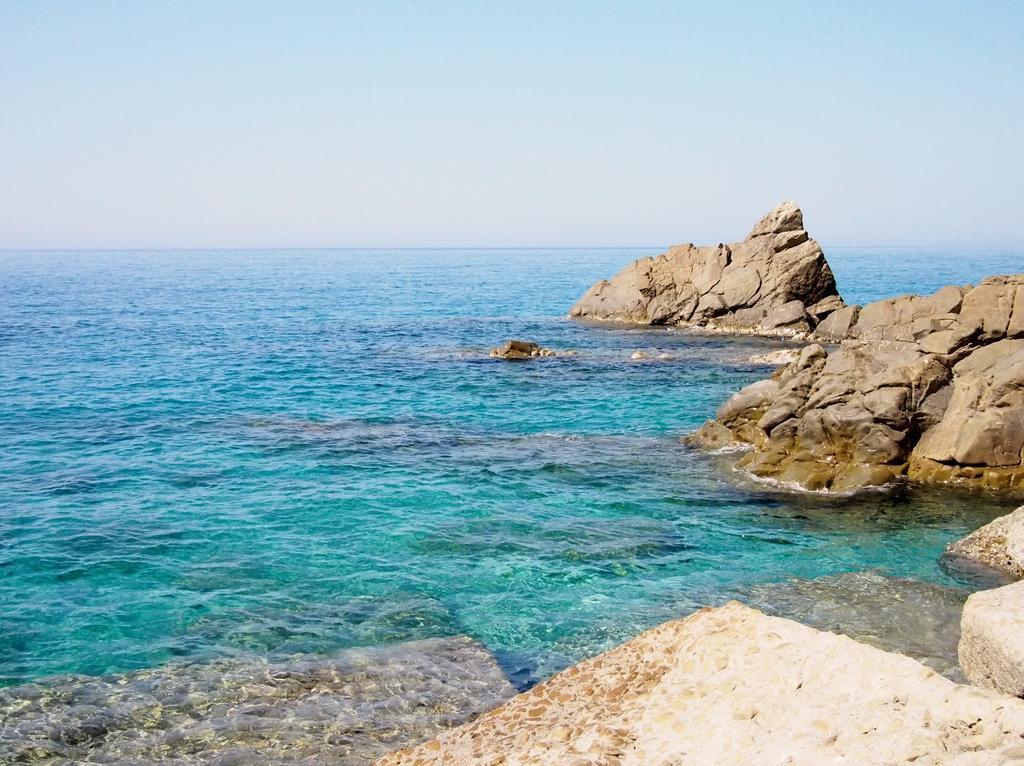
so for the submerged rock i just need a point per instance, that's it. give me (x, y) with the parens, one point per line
(992, 639)
(520, 349)
(927, 387)
(918, 619)
(346, 709)
(999, 544)
(733, 686)
(774, 282)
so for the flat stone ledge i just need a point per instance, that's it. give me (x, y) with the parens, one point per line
(731, 686)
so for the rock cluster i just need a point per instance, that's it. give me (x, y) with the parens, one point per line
(520, 349)
(734, 686)
(929, 387)
(774, 282)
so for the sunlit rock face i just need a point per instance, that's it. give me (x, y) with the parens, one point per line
(774, 282)
(346, 709)
(927, 387)
(992, 639)
(734, 686)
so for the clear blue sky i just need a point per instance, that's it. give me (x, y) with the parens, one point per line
(237, 124)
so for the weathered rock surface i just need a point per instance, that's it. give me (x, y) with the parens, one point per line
(776, 282)
(992, 639)
(734, 686)
(520, 349)
(928, 387)
(999, 544)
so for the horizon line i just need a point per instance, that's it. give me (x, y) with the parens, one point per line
(442, 248)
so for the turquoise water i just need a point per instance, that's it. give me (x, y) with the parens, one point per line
(213, 453)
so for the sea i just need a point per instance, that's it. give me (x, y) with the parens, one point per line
(252, 456)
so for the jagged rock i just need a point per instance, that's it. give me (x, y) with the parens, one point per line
(929, 387)
(520, 349)
(983, 424)
(763, 284)
(992, 639)
(732, 686)
(836, 326)
(953, 319)
(999, 544)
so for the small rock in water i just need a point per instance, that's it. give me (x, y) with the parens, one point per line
(639, 355)
(522, 349)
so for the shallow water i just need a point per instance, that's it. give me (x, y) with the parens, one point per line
(345, 709)
(208, 454)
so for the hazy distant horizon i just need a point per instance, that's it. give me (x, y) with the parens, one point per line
(250, 126)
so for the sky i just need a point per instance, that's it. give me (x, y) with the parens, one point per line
(470, 124)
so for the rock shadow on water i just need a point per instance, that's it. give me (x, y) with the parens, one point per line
(346, 709)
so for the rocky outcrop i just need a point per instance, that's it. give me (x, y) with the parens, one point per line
(734, 686)
(774, 282)
(520, 349)
(992, 639)
(950, 322)
(999, 544)
(928, 387)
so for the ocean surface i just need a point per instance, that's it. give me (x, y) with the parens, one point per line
(207, 455)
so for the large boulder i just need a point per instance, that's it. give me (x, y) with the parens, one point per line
(776, 281)
(992, 639)
(733, 686)
(999, 544)
(928, 387)
(981, 433)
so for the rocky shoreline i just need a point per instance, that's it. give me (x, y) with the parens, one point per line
(732, 685)
(929, 388)
(926, 387)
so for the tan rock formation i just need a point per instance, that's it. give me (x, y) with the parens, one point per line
(929, 387)
(999, 544)
(733, 686)
(992, 639)
(776, 282)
